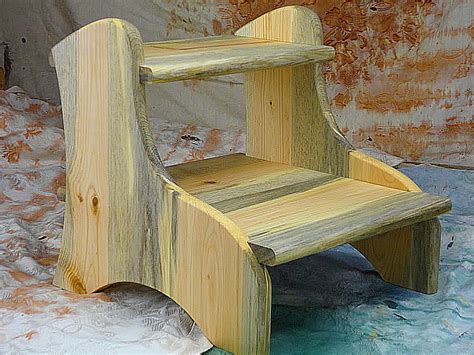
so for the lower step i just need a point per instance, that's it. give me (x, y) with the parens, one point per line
(289, 212)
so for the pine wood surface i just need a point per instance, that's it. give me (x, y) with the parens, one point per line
(407, 256)
(221, 55)
(289, 212)
(125, 221)
(198, 231)
(288, 115)
(365, 168)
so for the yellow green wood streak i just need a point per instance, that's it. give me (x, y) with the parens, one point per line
(286, 244)
(202, 58)
(408, 257)
(288, 117)
(243, 181)
(290, 212)
(125, 220)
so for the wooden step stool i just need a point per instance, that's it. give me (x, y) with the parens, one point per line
(203, 232)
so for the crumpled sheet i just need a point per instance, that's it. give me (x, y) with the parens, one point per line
(329, 303)
(35, 316)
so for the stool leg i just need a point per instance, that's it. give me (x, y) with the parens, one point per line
(407, 257)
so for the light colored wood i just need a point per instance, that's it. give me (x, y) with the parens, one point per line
(289, 120)
(289, 212)
(288, 115)
(212, 56)
(365, 168)
(290, 236)
(407, 256)
(239, 176)
(125, 221)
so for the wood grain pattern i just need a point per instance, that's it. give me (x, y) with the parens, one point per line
(234, 181)
(205, 57)
(289, 120)
(125, 221)
(288, 115)
(407, 256)
(290, 212)
(365, 168)
(286, 239)
(128, 219)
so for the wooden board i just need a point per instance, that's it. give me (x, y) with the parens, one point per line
(125, 221)
(365, 168)
(289, 212)
(237, 181)
(212, 56)
(407, 256)
(289, 120)
(288, 114)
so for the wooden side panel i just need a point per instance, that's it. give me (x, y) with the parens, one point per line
(86, 209)
(212, 258)
(409, 256)
(125, 220)
(365, 168)
(288, 116)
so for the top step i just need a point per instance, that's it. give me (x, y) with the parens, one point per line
(212, 56)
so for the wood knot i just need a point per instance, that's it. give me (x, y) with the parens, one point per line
(95, 205)
(79, 196)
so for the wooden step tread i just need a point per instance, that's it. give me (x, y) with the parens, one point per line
(212, 56)
(289, 212)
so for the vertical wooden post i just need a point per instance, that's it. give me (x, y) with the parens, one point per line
(288, 116)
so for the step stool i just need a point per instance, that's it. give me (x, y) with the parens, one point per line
(204, 232)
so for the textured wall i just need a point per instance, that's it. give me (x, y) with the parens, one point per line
(401, 80)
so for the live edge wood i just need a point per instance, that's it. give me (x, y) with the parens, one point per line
(221, 55)
(290, 212)
(289, 120)
(408, 256)
(125, 221)
(189, 232)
